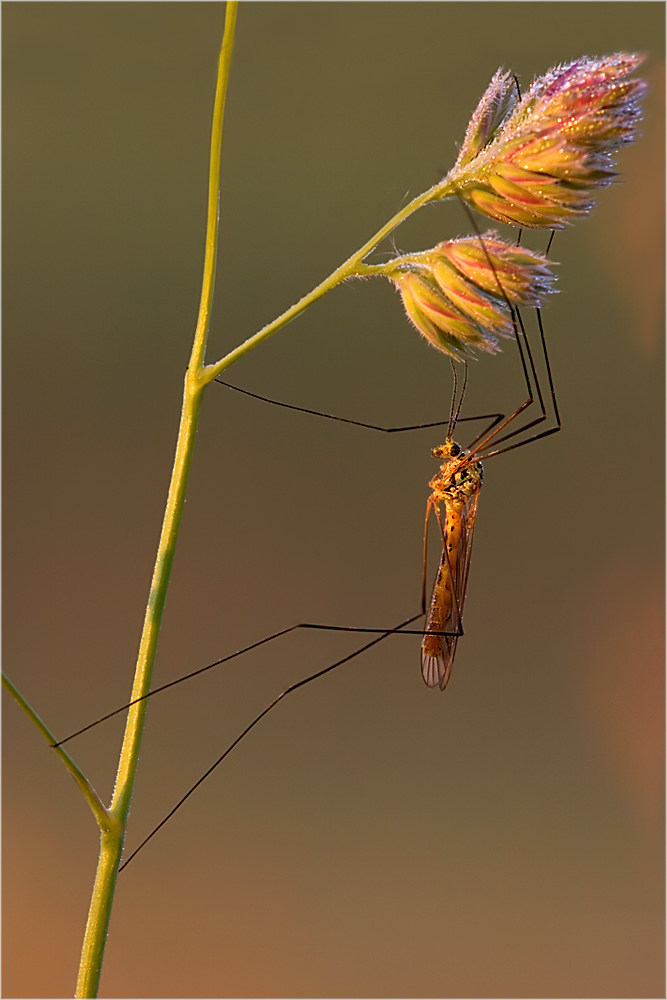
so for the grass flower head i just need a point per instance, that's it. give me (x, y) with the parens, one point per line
(538, 161)
(459, 294)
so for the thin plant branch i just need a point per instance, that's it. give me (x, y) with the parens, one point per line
(112, 841)
(92, 798)
(353, 267)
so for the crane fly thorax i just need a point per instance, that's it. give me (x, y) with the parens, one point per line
(459, 476)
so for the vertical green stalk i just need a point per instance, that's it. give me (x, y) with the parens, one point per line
(113, 837)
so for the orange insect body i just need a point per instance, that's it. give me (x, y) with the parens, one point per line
(456, 487)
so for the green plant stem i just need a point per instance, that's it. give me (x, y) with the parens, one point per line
(112, 840)
(113, 821)
(352, 268)
(92, 798)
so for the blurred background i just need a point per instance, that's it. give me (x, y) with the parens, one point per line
(370, 837)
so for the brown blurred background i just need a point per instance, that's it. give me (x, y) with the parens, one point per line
(371, 837)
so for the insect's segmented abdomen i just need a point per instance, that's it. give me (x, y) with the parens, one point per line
(440, 617)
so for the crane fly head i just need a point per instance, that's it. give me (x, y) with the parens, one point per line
(447, 451)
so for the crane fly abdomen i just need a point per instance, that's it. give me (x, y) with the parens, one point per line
(456, 488)
(440, 619)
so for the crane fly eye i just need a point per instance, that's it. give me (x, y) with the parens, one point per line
(455, 450)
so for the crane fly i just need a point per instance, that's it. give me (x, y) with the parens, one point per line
(453, 499)
(456, 487)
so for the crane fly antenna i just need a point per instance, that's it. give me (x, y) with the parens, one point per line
(455, 409)
(451, 421)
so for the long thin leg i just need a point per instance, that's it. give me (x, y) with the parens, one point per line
(520, 336)
(484, 431)
(493, 417)
(185, 677)
(543, 411)
(549, 430)
(545, 356)
(429, 503)
(289, 690)
(225, 659)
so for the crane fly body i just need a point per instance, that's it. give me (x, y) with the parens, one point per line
(455, 488)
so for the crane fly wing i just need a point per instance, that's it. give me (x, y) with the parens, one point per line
(437, 649)
(432, 659)
(467, 531)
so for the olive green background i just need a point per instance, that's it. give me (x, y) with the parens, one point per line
(371, 837)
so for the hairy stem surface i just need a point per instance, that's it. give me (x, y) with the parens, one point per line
(112, 839)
